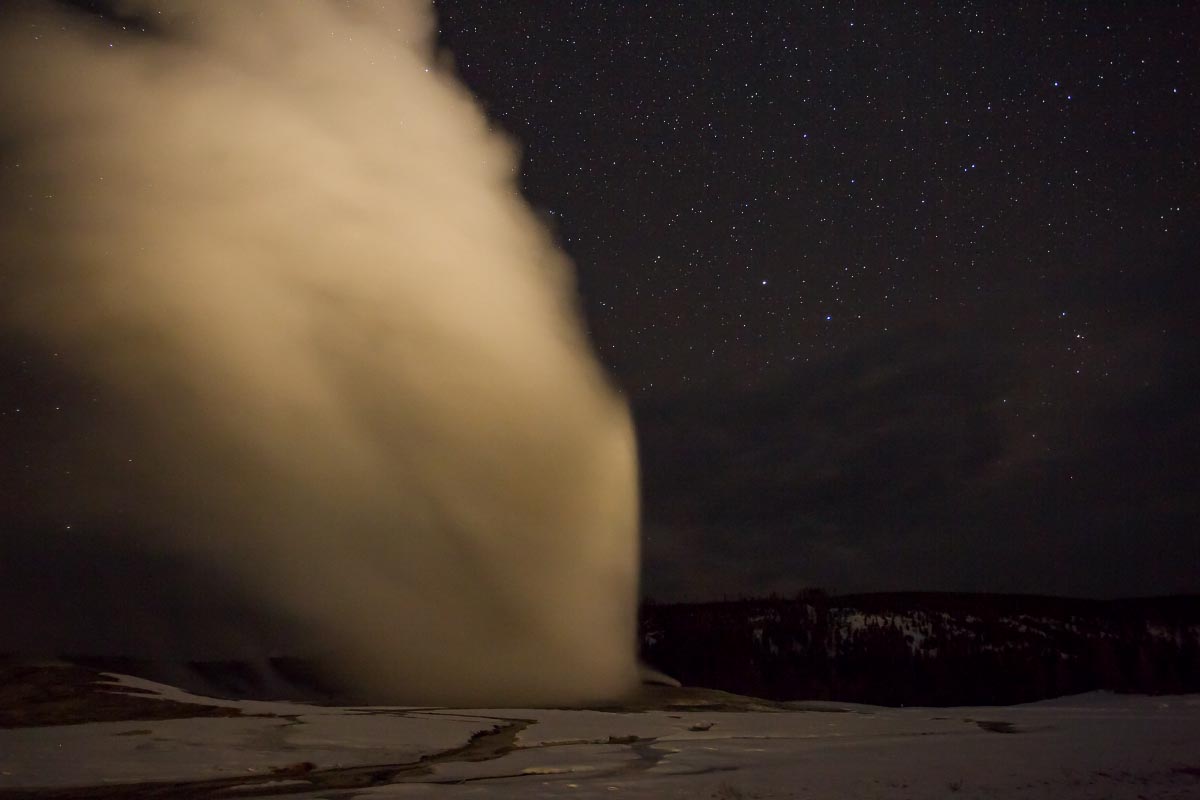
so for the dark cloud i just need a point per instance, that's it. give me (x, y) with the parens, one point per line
(902, 466)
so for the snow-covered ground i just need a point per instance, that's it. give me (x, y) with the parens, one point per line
(1089, 746)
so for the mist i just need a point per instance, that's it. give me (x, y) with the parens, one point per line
(338, 357)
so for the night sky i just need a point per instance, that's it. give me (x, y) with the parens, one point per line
(903, 298)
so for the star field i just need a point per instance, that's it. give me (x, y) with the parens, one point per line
(743, 190)
(901, 297)
(775, 199)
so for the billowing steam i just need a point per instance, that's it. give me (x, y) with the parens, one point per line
(287, 246)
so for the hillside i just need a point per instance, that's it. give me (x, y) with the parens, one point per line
(927, 648)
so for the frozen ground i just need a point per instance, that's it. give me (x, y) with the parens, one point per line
(1089, 746)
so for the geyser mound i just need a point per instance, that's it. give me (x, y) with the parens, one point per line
(287, 249)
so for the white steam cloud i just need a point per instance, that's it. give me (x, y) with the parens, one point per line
(286, 244)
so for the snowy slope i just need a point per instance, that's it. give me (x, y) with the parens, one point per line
(1095, 745)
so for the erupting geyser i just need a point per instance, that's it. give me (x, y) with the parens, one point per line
(287, 247)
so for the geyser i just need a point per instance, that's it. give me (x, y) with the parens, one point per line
(286, 247)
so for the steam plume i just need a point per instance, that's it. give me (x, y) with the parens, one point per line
(288, 248)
